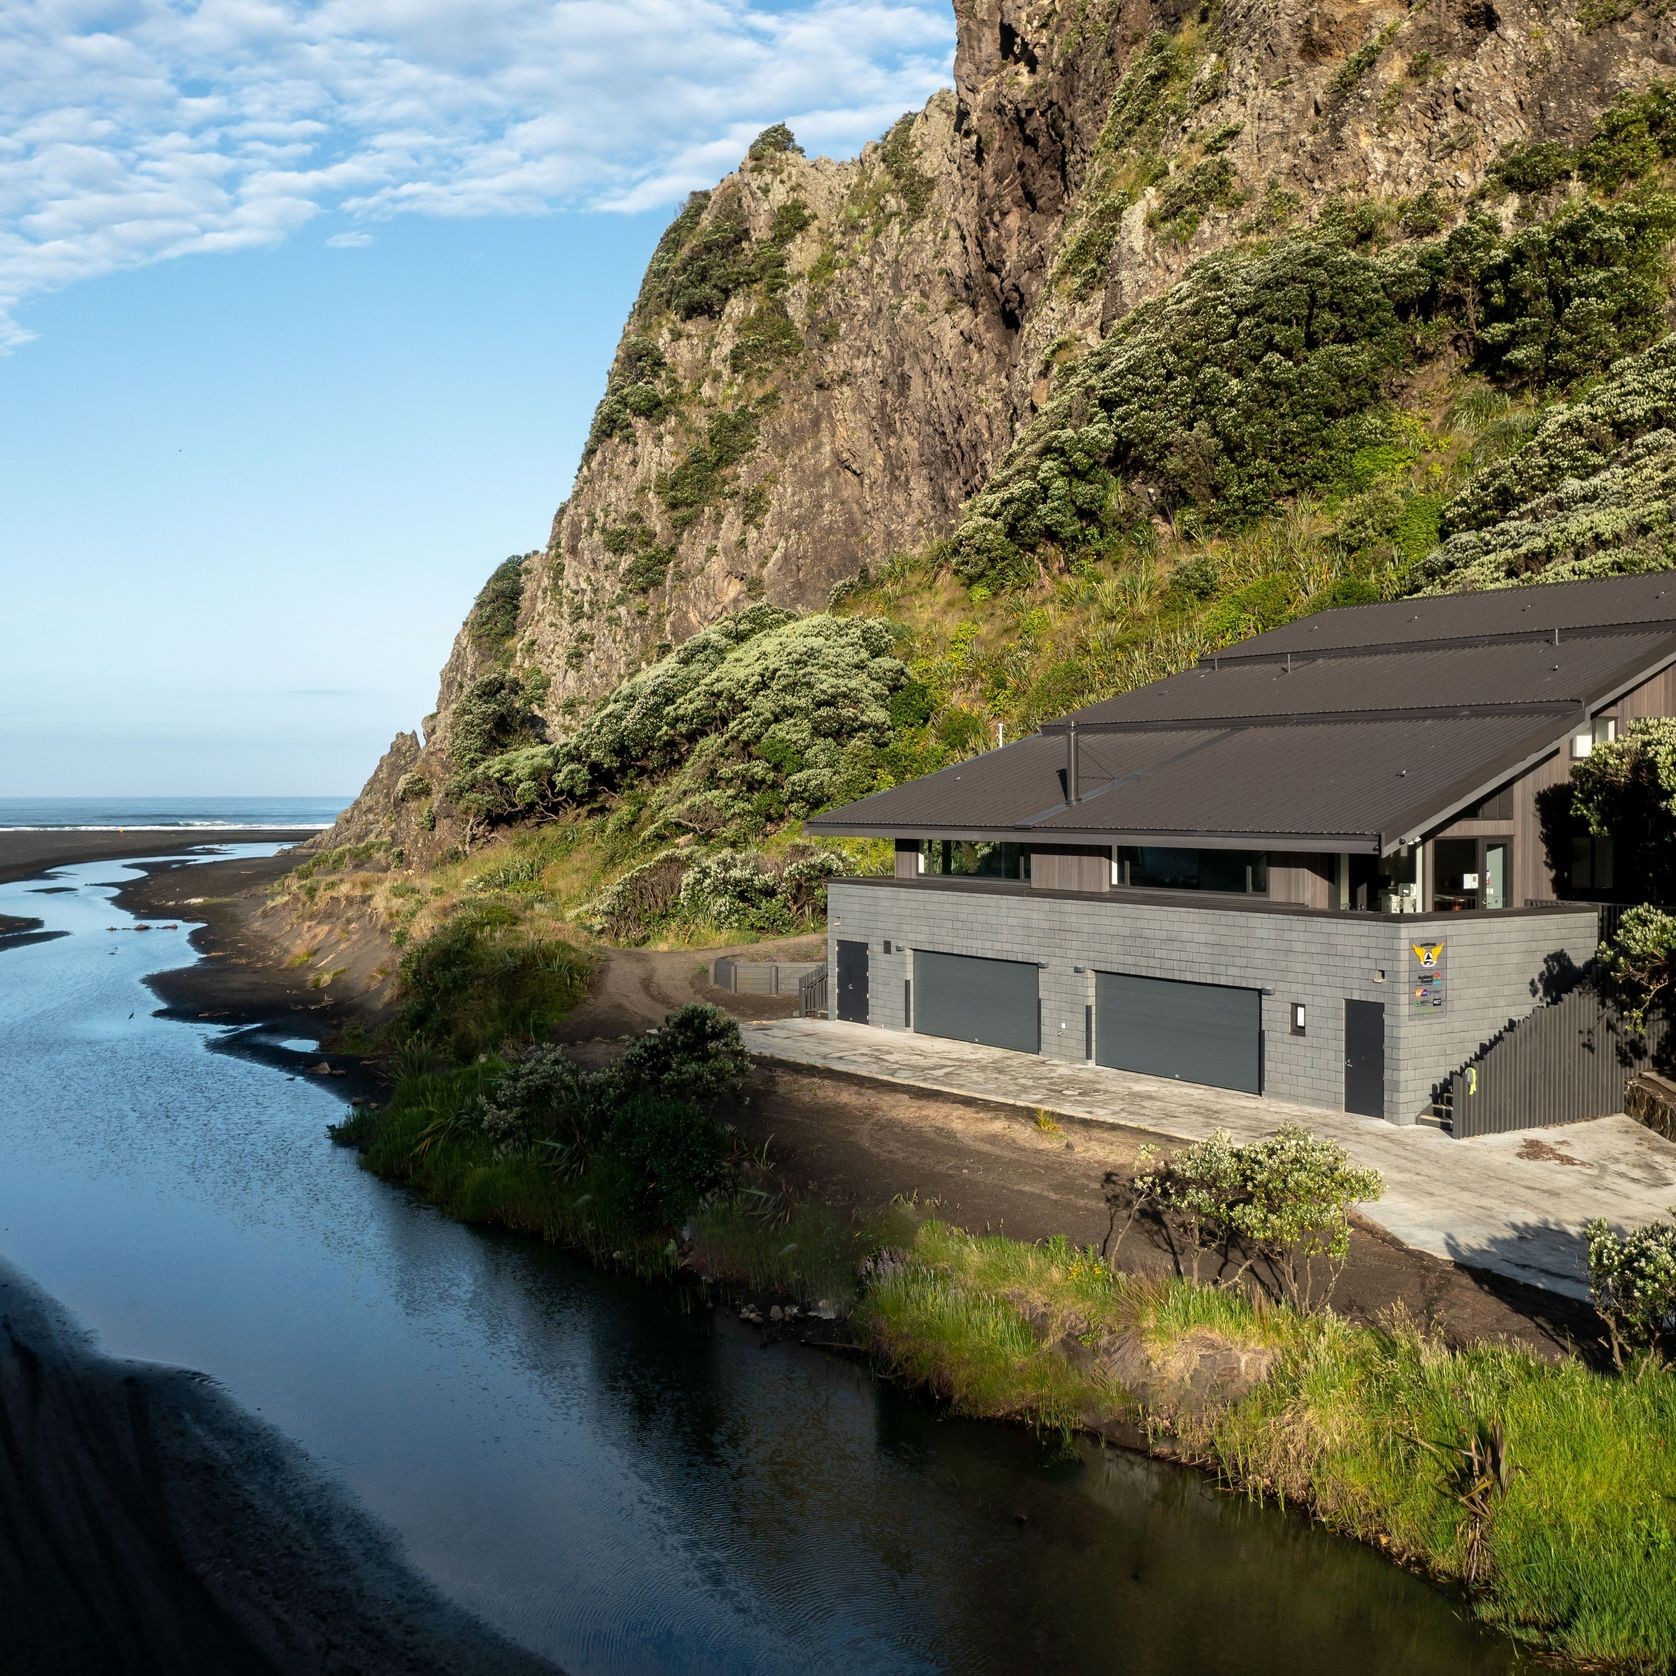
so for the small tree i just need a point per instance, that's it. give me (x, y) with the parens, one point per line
(1285, 1201)
(1625, 790)
(1638, 962)
(1300, 1190)
(1633, 1280)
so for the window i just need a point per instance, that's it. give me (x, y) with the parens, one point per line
(1471, 873)
(1591, 863)
(1601, 731)
(974, 861)
(1240, 872)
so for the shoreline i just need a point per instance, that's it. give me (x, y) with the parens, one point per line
(151, 1524)
(28, 851)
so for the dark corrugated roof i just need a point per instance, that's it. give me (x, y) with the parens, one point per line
(1364, 779)
(1607, 601)
(1369, 746)
(1449, 677)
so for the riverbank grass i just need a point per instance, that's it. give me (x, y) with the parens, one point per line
(1546, 1489)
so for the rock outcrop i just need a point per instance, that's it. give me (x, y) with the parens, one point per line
(826, 359)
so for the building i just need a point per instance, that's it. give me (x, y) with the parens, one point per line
(1314, 866)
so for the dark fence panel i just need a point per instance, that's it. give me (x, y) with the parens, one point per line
(1566, 1061)
(811, 993)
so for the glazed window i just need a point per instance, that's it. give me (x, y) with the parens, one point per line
(1147, 867)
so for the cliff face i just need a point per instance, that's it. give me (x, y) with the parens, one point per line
(825, 360)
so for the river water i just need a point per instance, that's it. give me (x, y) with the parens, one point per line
(607, 1475)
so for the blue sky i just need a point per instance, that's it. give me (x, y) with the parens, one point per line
(304, 309)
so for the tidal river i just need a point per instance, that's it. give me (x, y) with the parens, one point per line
(615, 1479)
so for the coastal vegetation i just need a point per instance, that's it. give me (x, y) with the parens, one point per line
(1544, 1489)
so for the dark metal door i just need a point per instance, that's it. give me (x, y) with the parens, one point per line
(1364, 1058)
(1193, 1032)
(852, 981)
(996, 1002)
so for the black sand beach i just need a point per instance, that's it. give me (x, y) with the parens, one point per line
(23, 854)
(148, 1524)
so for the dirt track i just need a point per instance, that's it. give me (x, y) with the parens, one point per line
(635, 988)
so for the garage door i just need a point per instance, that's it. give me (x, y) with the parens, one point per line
(1195, 1032)
(972, 1000)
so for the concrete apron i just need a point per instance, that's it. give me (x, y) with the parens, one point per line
(1513, 1205)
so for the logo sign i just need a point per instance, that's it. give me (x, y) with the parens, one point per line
(1426, 989)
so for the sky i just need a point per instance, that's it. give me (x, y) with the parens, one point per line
(304, 311)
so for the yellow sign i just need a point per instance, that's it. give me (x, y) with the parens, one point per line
(1428, 954)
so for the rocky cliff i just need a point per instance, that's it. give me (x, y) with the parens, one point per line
(826, 360)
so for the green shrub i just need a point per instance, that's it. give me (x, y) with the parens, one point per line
(1535, 168)
(1589, 491)
(489, 717)
(1261, 370)
(643, 900)
(1637, 963)
(1636, 134)
(1186, 195)
(697, 1055)
(1551, 303)
(544, 1097)
(493, 618)
(734, 890)
(667, 1153)
(480, 981)
(774, 141)
(912, 184)
(763, 700)
(766, 337)
(1274, 1206)
(412, 785)
(1232, 389)
(1632, 1278)
(789, 219)
(639, 386)
(730, 435)
(710, 267)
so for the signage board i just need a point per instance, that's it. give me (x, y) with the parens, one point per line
(1427, 989)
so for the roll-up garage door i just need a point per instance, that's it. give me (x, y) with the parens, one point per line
(972, 1000)
(1195, 1032)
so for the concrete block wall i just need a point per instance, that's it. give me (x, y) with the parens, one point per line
(1491, 965)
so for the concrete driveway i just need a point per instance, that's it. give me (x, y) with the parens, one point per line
(1514, 1205)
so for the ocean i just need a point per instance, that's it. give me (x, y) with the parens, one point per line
(164, 814)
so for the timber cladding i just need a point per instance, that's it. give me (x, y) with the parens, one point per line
(1493, 970)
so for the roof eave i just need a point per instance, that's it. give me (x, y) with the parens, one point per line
(1360, 843)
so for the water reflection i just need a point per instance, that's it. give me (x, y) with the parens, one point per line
(610, 1476)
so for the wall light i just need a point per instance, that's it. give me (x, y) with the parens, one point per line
(1297, 1018)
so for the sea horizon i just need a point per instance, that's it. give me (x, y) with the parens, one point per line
(165, 813)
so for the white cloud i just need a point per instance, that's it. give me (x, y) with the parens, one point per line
(349, 241)
(133, 131)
